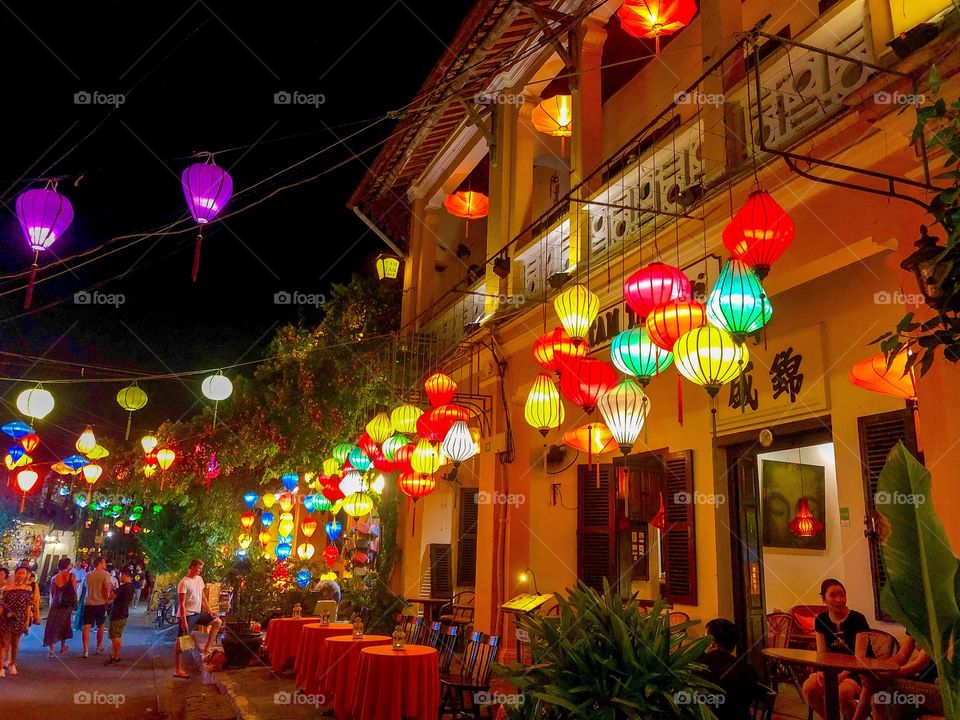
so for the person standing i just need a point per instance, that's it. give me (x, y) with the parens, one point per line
(63, 601)
(14, 616)
(119, 612)
(137, 581)
(35, 608)
(194, 610)
(80, 570)
(99, 593)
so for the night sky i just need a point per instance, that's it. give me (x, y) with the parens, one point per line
(194, 77)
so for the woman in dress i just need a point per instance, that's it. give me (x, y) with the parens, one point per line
(14, 615)
(63, 601)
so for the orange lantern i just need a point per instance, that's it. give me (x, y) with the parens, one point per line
(308, 527)
(654, 18)
(29, 442)
(247, 519)
(467, 204)
(26, 479)
(263, 537)
(286, 501)
(804, 524)
(873, 374)
(667, 322)
(554, 117)
(554, 348)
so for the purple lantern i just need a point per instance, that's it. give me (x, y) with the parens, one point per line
(44, 216)
(207, 189)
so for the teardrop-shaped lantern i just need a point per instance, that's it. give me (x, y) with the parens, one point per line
(873, 374)
(92, 473)
(86, 442)
(131, 399)
(305, 551)
(738, 303)
(404, 418)
(440, 389)
(380, 427)
(655, 284)
(308, 527)
(247, 519)
(804, 523)
(577, 308)
(458, 445)
(286, 502)
(207, 189)
(709, 357)
(290, 481)
(44, 215)
(268, 500)
(543, 409)
(26, 479)
(467, 204)
(148, 443)
(668, 322)
(759, 232)
(286, 524)
(554, 348)
(425, 458)
(250, 499)
(165, 458)
(632, 352)
(333, 530)
(624, 409)
(584, 382)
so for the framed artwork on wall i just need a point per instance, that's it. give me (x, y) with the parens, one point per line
(783, 484)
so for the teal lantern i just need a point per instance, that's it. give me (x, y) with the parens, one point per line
(633, 353)
(321, 503)
(283, 551)
(738, 303)
(360, 460)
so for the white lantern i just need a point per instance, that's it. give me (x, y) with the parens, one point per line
(458, 445)
(36, 402)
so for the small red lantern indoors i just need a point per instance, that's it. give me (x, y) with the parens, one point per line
(804, 524)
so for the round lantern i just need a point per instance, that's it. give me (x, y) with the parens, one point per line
(633, 353)
(333, 530)
(367, 444)
(425, 458)
(216, 387)
(467, 204)
(440, 389)
(308, 527)
(874, 375)
(286, 525)
(584, 382)
(330, 466)
(709, 357)
(655, 18)
(624, 409)
(165, 458)
(655, 284)
(738, 303)
(759, 232)
(131, 399)
(392, 444)
(555, 348)
(442, 418)
(305, 551)
(283, 551)
(359, 459)
(86, 442)
(577, 308)
(266, 519)
(428, 430)
(668, 322)
(44, 215)
(330, 554)
(207, 189)
(352, 482)
(594, 439)
(554, 116)
(244, 540)
(357, 505)
(458, 445)
(148, 443)
(286, 501)
(404, 418)
(304, 576)
(403, 457)
(341, 451)
(250, 499)
(380, 427)
(416, 485)
(543, 409)
(247, 519)
(332, 491)
(36, 402)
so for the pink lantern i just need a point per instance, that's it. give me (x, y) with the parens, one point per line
(207, 189)
(44, 216)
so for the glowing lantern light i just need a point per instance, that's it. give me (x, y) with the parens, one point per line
(92, 473)
(286, 525)
(668, 322)
(404, 418)
(655, 18)
(131, 399)
(804, 524)
(440, 389)
(15, 453)
(360, 460)
(543, 409)
(388, 267)
(207, 189)
(44, 216)
(367, 444)
(358, 504)
(625, 408)
(305, 552)
(304, 576)
(333, 530)
(379, 484)
(165, 458)
(263, 537)
(458, 445)
(467, 204)
(633, 353)
(738, 303)
(554, 116)
(873, 374)
(330, 466)
(80, 500)
(425, 458)
(283, 551)
(427, 429)
(709, 357)
(341, 451)
(352, 482)
(403, 457)
(759, 232)
(86, 442)
(290, 481)
(148, 443)
(29, 442)
(250, 499)
(286, 501)
(584, 382)
(416, 485)
(244, 540)
(26, 479)
(75, 462)
(268, 500)
(98, 453)
(216, 387)
(380, 427)
(555, 348)
(308, 502)
(655, 284)
(36, 402)
(333, 493)
(308, 527)
(392, 444)
(17, 429)
(577, 308)
(442, 418)
(247, 519)
(321, 503)
(330, 554)
(149, 471)
(266, 519)
(594, 439)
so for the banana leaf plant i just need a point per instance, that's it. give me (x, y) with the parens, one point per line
(922, 591)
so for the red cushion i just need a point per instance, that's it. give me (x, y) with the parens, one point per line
(806, 622)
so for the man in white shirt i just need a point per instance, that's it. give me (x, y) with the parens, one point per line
(194, 610)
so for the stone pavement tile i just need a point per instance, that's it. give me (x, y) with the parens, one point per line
(206, 706)
(258, 694)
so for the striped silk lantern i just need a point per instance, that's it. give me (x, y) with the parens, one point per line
(207, 189)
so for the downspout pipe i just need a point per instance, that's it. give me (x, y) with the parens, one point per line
(378, 232)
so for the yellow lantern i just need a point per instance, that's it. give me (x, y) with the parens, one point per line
(148, 443)
(118, 524)
(337, 507)
(36, 402)
(268, 499)
(305, 551)
(244, 541)
(709, 357)
(425, 458)
(554, 116)
(131, 398)
(286, 502)
(330, 467)
(24, 460)
(86, 442)
(544, 408)
(57, 467)
(99, 452)
(149, 471)
(92, 473)
(329, 576)
(286, 524)
(380, 428)
(404, 418)
(357, 505)
(263, 537)
(577, 308)
(165, 458)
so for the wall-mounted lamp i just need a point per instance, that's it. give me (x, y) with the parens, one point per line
(528, 575)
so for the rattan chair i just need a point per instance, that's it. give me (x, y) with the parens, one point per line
(780, 629)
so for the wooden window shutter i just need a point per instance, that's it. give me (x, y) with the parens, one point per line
(441, 576)
(596, 533)
(679, 537)
(467, 541)
(878, 434)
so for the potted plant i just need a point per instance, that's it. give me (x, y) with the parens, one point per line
(368, 595)
(254, 597)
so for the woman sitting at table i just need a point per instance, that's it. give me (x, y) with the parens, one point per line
(838, 630)
(908, 694)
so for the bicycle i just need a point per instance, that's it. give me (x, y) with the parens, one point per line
(166, 608)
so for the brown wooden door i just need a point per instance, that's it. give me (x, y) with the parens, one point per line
(596, 526)
(746, 542)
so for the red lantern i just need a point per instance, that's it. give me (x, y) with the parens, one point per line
(29, 442)
(668, 322)
(655, 284)
(428, 429)
(654, 18)
(308, 527)
(403, 457)
(467, 204)
(416, 485)
(555, 348)
(331, 490)
(440, 388)
(368, 445)
(247, 519)
(659, 521)
(441, 419)
(381, 463)
(804, 524)
(330, 554)
(759, 232)
(584, 382)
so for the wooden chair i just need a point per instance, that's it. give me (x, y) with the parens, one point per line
(473, 678)
(762, 706)
(446, 647)
(433, 635)
(883, 644)
(417, 631)
(780, 629)
(459, 612)
(677, 618)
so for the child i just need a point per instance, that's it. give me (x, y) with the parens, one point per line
(119, 614)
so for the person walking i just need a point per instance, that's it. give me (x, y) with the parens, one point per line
(119, 612)
(80, 569)
(63, 601)
(14, 616)
(193, 610)
(137, 581)
(99, 593)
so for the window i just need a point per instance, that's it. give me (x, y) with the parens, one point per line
(467, 539)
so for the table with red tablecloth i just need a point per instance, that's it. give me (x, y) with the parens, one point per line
(337, 668)
(397, 684)
(283, 634)
(308, 652)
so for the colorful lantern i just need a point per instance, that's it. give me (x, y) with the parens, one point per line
(352, 482)
(392, 444)
(29, 442)
(244, 540)
(92, 473)
(250, 499)
(263, 538)
(86, 442)
(17, 429)
(403, 457)
(442, 418)
(44, 216)
(759, 232)
(380, 427)
(26, 479)
(148, 443)
(873, 374)
(15, 453)
(286, 501)
(594, 439)
(268, 500)
(305, 551)
(341, 452)
(360, 460)
(738, 303)
(36, 402)
(75, 462)
(467, 204)
(624, 409)
(555, 348)
(266, 519)
(216, 387)
(425, 458)
(98, 453)
(357, 505)
(633, 353)
(207, 189)
(321, 503)
(247, 519)
(543, 409)
(427, 430)
(290, 481)
(577, 308)
(655, 18)
(308, 527)
(165, 458)
(709, 357)
(332, 492)
(282, 551)
(131, 399)
(440, 389)
(668, 322)
(286, 525)
(655, 284)
(333, 530)
(804, 524)
(458, 445)
(416, 485)
(304, 576)
(584, 382)
(404, 418)
(330, 554)
(330, 466)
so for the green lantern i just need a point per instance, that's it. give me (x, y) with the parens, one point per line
(341, 451)
(633, 353)
(321, 503)
(157, 508)
(392, 444)
(738, 303)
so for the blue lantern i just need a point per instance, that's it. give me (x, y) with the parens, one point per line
(304, 576)
(75, 462)
(16, 429)
(333, 530)
(285, 539)
(266, 519)
(241, 553)
(283, 551)
(250, 499)
(16, 452)
(290, 481)
(63, 490)
(309, 502)
(80, 500)
(360, 460)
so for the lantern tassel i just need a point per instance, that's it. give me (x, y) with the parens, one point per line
(196, 257)
(413, 527)
(216, 406)
(129, 420)
(23, 499)
(679, 399)
(33, 276)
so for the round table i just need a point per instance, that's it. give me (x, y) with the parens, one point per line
(336, 673)
(308, 652)
(395, 684)
(831, 665)
(283, 634)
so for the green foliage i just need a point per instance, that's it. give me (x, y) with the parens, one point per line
(923, 574)
(255, 594)
(604, 658)
(369, 592)
(9, 523)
